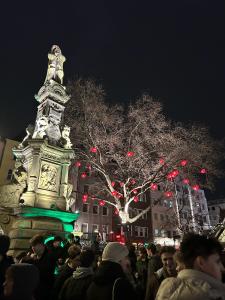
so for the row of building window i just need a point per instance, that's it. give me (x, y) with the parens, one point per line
(95, 209)
(161, 217)
(164, 233)
(94, 228)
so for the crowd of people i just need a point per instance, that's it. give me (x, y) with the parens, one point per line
(64, 272)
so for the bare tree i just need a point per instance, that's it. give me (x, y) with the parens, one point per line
(135, 148)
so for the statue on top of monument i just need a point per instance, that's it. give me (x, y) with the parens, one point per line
(55, 65)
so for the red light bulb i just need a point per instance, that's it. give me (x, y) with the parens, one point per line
(161, 161)
(135, 191)
(84, 197)
(114, 193)
(77, 164)
(183, 163)
(203, 171)
(136, 199)
(153, 187)
(186, 181)
(195, 187)
(93, 150)
(130, 153)
(168, 194)
(102, 203)
(83, 175)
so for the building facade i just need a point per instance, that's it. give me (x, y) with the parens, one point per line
(216, 211)
(7, 161)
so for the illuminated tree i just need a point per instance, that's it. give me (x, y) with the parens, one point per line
(136, 148)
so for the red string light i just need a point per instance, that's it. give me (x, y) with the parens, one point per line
(83, 175)
(186, 181)
(195, 187)
(183, 163)
(203, 171)
(101, 202)
(77, 164)
(93, 150)
(136, 199)
(168, 194)
(130, 153)
(153, 187)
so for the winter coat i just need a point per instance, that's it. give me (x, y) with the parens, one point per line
(46, 265)
(191, 285)
(154, 283)
(76, 286)
(5, 262)
(110, 282)
(154, 264)
(65, 273)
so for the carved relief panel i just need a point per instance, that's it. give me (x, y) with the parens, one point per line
(49, 177)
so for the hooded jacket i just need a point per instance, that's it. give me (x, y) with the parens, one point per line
(76, 286)
(110, 282)
(191, 284)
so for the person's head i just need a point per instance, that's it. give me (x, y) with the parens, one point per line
(4, 244)
(70, 238)
(37, 244)
(167, 253)
(118, 253)
(77, 239)
(143, 253)
(203, 254)
(57, 242)
(20, 281)
(74, 259)
(87, 258)
(151, 249)
(178, 259)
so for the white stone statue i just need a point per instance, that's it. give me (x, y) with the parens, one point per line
(55, 65)
(29, 131)
(70, 201)
(66, 137)
(41, 127)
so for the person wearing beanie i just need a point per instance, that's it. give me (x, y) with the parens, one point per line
(110, 281)
(5, 261)
(21, 281)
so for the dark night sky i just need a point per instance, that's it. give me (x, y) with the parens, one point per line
(174, 50)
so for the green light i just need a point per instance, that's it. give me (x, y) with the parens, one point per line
(68, 227)
(64, 216)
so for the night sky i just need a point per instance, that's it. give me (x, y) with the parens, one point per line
(173, 50)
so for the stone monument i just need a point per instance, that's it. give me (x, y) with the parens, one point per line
(39, 197)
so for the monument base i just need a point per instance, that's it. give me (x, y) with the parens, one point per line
(22, 223)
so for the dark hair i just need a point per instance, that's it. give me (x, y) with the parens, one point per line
(73, 251)
(194, 245)
(167, 249)
(152, 247)
(57, 238)
(4, 244)
(87, 258)
(37, 239)
(143, 251)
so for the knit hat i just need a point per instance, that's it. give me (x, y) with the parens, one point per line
(4, 244)
(114, 252)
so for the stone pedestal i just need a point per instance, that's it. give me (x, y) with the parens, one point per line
(21, 224)
(47, 174)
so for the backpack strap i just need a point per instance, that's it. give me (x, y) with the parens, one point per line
(114, 287)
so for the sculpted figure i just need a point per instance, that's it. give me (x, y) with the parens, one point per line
(69, 200)
(55, 65)
(41, 127)
(66, 137)
(29, 131)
